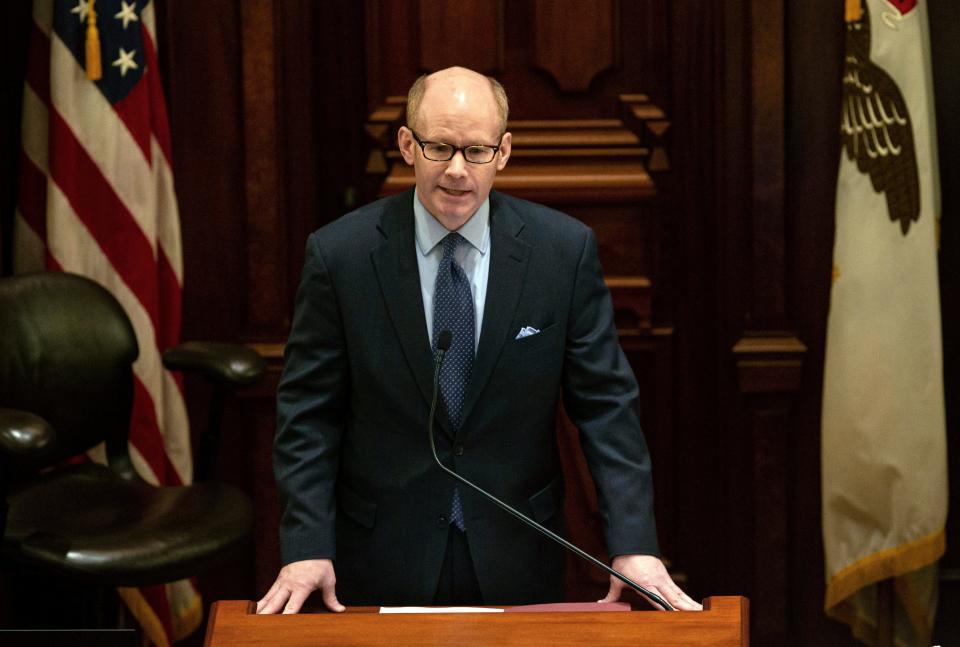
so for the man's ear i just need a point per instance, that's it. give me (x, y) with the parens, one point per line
(406, 143)
(505, 144)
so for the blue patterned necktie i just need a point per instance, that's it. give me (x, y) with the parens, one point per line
(453, 310)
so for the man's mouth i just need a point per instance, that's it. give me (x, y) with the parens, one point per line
(453, 192)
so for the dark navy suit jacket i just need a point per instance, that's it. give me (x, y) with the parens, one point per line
(356, 478)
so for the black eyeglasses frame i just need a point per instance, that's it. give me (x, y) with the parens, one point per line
(456, 149)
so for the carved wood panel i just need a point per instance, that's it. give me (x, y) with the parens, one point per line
(574, 41)
(538, 50)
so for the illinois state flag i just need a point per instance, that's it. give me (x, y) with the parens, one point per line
(884, 469)
(96, 198)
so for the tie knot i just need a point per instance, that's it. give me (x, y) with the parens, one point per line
(450, 244)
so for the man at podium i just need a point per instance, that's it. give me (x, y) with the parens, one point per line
(515, 293)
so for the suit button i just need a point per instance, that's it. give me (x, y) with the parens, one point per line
(458, 450)
(442, 522)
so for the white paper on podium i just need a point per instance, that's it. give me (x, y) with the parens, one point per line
(439, 610)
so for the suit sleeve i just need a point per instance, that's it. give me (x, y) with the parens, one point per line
(602, 398)
(311, 406)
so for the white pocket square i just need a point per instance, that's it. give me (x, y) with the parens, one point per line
(526, 331)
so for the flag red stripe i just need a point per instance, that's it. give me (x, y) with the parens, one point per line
(158, 107)
(134, 111)
(104, 213)
(33, 196)
(38, 64)
(156, 597)
(173, 477)
(145, 435)
(904, 6)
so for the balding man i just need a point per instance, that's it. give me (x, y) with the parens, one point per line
(367, 516)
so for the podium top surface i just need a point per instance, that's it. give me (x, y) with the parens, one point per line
(724, 622)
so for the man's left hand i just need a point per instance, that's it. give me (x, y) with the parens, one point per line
(650, 573)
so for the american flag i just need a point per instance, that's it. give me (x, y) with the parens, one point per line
(97, 198)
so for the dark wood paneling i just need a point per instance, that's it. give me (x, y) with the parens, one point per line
(700, 447)
(206, 125)
(769, 423)
(466, 32)
(768, 270)
(264, 200)
(268, 146)
(392, 54)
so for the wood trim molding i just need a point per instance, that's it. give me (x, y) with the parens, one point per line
(770, 363)
(569, 161)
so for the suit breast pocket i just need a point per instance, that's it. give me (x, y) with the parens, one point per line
(548, 338)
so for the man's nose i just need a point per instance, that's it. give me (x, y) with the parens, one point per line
(457, 166)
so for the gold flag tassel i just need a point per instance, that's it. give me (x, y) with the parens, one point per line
(853, 13)
(94, 71)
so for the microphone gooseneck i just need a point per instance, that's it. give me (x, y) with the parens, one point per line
(443, 345)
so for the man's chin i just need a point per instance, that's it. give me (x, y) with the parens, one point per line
(456, 217)
(453, 221)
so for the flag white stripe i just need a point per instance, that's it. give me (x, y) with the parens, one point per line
(149, 21)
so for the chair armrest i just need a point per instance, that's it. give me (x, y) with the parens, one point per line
(230, 365)
(24, 435)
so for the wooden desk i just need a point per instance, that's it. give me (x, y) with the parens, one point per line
(724, 622)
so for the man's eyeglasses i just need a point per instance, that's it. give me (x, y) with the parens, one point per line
(441, 152)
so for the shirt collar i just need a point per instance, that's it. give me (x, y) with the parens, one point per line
(430, 232)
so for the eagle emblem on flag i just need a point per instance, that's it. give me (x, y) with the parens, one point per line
(875, 125)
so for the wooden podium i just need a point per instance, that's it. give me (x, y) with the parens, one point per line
(724, 621)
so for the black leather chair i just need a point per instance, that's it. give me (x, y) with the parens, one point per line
(66, 385)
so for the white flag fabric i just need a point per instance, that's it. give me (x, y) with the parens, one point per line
(884, 469)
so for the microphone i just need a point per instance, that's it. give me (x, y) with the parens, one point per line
(444, 340)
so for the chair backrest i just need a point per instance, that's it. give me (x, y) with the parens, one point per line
(66, 354)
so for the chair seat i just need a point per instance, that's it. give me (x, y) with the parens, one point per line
(84, 521)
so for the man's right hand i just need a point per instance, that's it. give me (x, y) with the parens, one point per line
(297, 580)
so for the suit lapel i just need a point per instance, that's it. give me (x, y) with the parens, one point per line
(508, 268)
(395, 263)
